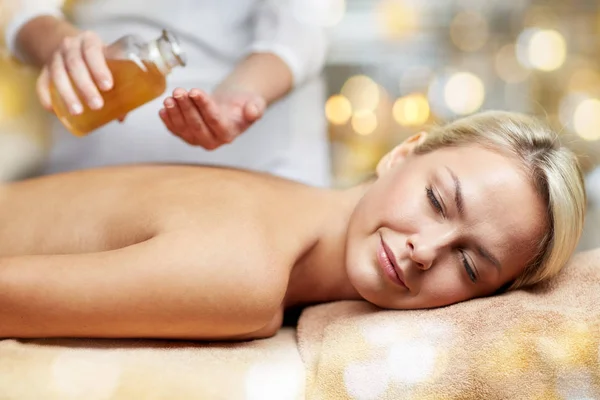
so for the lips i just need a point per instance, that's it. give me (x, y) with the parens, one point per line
(387, 262)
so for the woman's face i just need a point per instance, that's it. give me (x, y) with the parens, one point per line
(443, 227)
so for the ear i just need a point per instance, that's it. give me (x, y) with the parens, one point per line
(400, 152)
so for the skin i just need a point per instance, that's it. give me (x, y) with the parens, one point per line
(65, 53)
(447, 251)
(208, 253)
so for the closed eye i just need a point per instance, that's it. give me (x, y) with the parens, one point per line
(470, 270)
(435, 203)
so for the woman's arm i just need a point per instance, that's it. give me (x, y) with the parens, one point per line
(161, 288)
(34, 33)
(284, 30)
(286, 51)
(265, 75)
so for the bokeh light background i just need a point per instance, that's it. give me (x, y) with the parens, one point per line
(396, 67)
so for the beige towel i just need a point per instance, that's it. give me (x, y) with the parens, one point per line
(542, 343)
(268, 369)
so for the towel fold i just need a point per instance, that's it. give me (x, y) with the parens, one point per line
(268, 369)
(540, 343)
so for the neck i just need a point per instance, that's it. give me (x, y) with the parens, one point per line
(320, 274)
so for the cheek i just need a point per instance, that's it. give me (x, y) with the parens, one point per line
(398, 200)
(513, 269)
(361, 267)
(444, 286)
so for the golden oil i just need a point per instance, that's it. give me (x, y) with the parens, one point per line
(139, 75)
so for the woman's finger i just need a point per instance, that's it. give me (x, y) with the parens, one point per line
(60, 79)
(175, 115)
(183, 135)
(199, 132)
(92, 49)
(211, 115)
(80, 75)
(164, 116)
(254, 109)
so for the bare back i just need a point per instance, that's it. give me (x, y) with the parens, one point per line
(111, 208)
(171, 239)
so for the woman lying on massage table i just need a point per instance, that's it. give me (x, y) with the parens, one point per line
(485, 203)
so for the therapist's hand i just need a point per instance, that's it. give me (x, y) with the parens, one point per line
(78, 70)
(213, 120)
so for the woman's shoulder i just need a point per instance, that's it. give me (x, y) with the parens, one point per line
(238, 266)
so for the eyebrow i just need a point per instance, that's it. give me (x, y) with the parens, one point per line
(458, 199)
(489, 256)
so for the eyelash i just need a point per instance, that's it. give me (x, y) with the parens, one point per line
(438, 207)
(433, 200)
(468, 268)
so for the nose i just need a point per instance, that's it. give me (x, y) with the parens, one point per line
(424, 248)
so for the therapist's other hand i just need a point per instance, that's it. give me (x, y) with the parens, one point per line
(77, 67)
(213, 120)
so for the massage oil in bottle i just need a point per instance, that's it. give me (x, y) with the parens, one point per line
(139, 72)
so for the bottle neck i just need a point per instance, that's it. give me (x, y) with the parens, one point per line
(166, 53)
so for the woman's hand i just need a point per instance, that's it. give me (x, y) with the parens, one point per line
(76, 68)
(211, 120)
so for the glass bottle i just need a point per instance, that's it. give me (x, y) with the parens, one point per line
(139, 70)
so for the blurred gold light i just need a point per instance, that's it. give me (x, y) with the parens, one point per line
(586, 119)
(68, 5)
(14, 97)
(567, 106)
(364, 122)
(464, 93)
(362, 92)
(338, 109)
(469, 30)
(411, 110)
(546, 50)
(397, 18)
(507, 65)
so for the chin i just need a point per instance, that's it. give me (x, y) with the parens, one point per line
(364, 273)
(368, 283)
(371, 287)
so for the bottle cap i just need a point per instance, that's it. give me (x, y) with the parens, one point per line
(170, 38)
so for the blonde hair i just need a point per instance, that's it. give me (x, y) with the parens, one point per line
(552, 168)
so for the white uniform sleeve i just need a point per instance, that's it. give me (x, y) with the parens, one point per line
(282, 28)
(23, 13)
